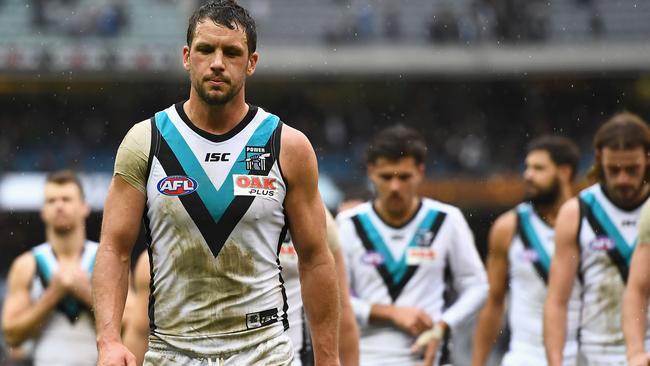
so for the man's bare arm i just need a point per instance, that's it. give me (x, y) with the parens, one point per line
(635, 304)
(22, 319)
(136, 334)
(491, 317)
(349, 332)
(120, 227)
(564, 267)
(307, 224)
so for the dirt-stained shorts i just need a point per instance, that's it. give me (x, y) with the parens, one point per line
(274, 352)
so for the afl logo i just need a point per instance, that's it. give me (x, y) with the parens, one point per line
(602, 243)
(529, 255)
(177, 185)
(373, 259)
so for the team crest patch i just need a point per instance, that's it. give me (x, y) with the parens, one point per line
(373, 258)
(254, 185)
(256, 159)
(177, 185)
(423, 237)
(602, 243)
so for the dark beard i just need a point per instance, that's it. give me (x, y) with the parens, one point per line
(216, 101)
(546, 197)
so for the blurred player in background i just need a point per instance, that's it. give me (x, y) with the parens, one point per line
(136, 334)
(397, 248)
(521, 244)
(49, 295)
(298, 328)
(217, 180)
(595, 236)
(637, 291)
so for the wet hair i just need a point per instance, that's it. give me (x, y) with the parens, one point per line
(562, 151)
(623, 131)
(395, 143)
(228, 14)
(66, 176)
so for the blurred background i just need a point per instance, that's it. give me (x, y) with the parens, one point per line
(478, 78)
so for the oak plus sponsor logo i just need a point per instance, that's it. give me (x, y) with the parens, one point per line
(602, 243)
(416, 256)
(288, 252)
(255, 185)
(177, 185)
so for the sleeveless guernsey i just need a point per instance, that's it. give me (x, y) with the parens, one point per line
(71, 326)
(529, 259)
(215, 221)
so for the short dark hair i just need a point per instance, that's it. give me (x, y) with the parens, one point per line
(228, 14)
(395, 143)
(64, 177)
(623, 131)
(562, 150)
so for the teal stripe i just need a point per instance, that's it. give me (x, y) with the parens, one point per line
(529, 231)
(215, 200)
(91, 265)
(397, 269)
(424, 227)
(379, 244)
(622, 245)
(41, 262)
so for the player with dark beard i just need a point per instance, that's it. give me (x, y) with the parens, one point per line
(596, 234)
(520, 247)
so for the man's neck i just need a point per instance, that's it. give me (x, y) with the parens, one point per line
(548, 213)
(67, 246)
(397, 218)
(217, 119)
(631, 204)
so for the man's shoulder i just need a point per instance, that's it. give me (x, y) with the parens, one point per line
(24, 264)
(447, 209)
(353, 211)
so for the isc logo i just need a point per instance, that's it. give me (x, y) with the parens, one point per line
(254, 185)
(177, 185)
(217, 157)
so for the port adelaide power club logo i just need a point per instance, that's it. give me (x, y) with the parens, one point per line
(256, 157)
(256, 183)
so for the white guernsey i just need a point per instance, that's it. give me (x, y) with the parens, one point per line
(405, 266)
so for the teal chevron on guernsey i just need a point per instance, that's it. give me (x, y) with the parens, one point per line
(216, 200)
(543, 256)
(397, 269)
(622, 246)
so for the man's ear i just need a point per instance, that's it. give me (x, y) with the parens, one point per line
(186, 58)
(252, 63)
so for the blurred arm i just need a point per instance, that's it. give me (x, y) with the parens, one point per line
(349, 332)
(136, 334)
(307, 224)
(468, 272)
(22, 319)
(491, 317)
(564, 267)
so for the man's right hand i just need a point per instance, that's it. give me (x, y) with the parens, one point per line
(640, 359)
(411, 320)
(61, 283)
(115, 354)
